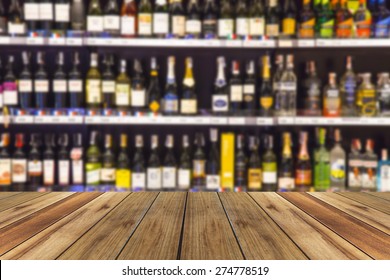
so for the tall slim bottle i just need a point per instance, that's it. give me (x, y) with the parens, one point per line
(49, 164)
(185, 166)
(355, 166)
(16, 23)
(129, 19)
(289, 23)
(269, 166)
(75, 84)
(370, 166)
(321, 163)
(383, 176)
(93, 84)
(5, 163)
(236, 89)
(111, 19)
(213, 176)
(170, 99)
(348, 88)
(256, 19)
(383, 89)
(60, 84)
(10, 89)
(188, 101)
(210, 20)
(160, 19)
(77, 15)
(123, 88)
(154, 180)
(272, 20)
(77, 163)
(153, 93)
(266, 96)
(382, 20)
(240, 166)
(93, 164)
(363, 21)
(285, 99)
(199, 164)
(41, 83)
(254, 166)
(123, 172)
(95, 20)
(220, 98)
(332, 98)
(3, 20)
(312, 86)
(108, 82)
(286, 181)
(108, 171)
(178, 19)
(63, 162)
(138, 94)
(62, 15)
(46, 16)
(169, 167)
(193, 25)
(242, 19)
(337, 164)
(249, 90)
(226, 20)
(145, 18)
(325, 20)
(138, 174)
(344, 21)
(19, 165)
(303, 168)
(31, 14)
(307, 21)
(34, 163)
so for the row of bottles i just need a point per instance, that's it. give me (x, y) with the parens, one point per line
(228, 163)
(243, 19)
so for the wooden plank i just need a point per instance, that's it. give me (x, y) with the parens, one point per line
(106, 239)
(372, 241)
(369, 200)
(18, 199)
(22, 210)
(52, 241)
(259, 236)
(207, 233)
(316, 240)
(157, 237)
(383, 195)
(360, 211)
(7, 194)
(18, 232)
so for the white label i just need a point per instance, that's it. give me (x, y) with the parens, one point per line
(25, 86)
(41, 86)
(63, 172)
(34, 167)
(138, 180)
(16, 28)
(127, 25)
(256, 26)
(160, 23)
(236, 93)
(213, 182)
(385, 178)
(169, 177)
(144, 24)
(108, 86)
(184, 178)
(45, 11)
(188, 106)
(286, 183)
(60, 86)
(75, 85)
(154, 178)
(288, 86)
(111, 22)
(48, 172)
(242, 26)
(249, 89)
(93, 176)
(170, 105)
(220, 103)
(77, 171)
(31, 11)
(62, 12)
(19, 170)
(122, 98)
(225, 27)
(138, 98)
(269, 177)
(178, 25)
(93, 91)
(107, 175)
(333, 93)
(10, 97)
(193, 26)
(95, 23)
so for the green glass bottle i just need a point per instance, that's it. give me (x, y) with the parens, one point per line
(321, 163)
(93, 164)
(123, 92)
(325, 21)
(269, 166)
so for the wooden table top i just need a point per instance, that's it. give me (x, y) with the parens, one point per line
(180, 225)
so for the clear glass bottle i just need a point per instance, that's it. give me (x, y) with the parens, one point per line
(337, 164)
(348, 90)
(383, 184)
(312, 85)
(383, 89)
(286, 95)
(367, 98)
(332, 99)
(370, 166)
(108, 171)
(355, 166)
(170, 99)
(123, 172)
(254, 166)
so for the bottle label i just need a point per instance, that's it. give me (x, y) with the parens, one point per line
(249, 89)
(95, 23)
(337, 171)
(209, 27)
(75, 85)
(369, 105)
(154, 178)
(19, 170)
(123, 179)
(286, 184)
(354, 174)
(384, 100)
(184, 179)
(254, 179)
(382, 28)
(60, 86)
(266, 102)
(111, 22)
(160, 23)
(170, 103)
(178, 25)
(122, 96)
(193, 26)
(127, 25)
(93, 173)
(236, 93)
(213, 182)
(41, 86)
(108, 86)
(384, 178)
(350, 91)
(272, 30)
(62, 12)
(363, 28)
(63, 172)
(289, 26)
(34, 168)
(144, 24)
(307, 29)
(25, 86)
(77, 172)
(138, 181)
(94, 91)
(10, 93)
(5, 172)
(269, 173)
(332, 106)
(31, 11)
(188, 106)
(344, 29)
(288, 86)
(256, 26)
(326, 29)
(169, 177)
(16, 28)
(220, 103)
(45, 11)
(199, 168)
(242, 26)
(138, 98)
(369, 174)
(48, 172)
(303, 177)
(225, 27)
(107, 174)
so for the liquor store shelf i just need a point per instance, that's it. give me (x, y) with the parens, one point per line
(186, 43)
(199, 120)
(180, 225)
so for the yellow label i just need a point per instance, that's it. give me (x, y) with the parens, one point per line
(266, 102)
(289, 26)
(254, 179)
(154, 106)
(227, 161)
(123, 179)
(306, 29)
(145, 18)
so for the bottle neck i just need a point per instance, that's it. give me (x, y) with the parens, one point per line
(171, 72)
(287, 147)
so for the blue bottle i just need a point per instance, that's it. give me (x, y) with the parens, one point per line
(383, 177)
(382, 20)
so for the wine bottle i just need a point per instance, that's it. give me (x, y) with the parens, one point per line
(184, 169)
(256, 19)
(348, 90)
(75, 84)
(254, 166)
(3, 20)
(199, 164)
(303, 168)
(123, 173)
(5, 163)
(46, 16)
(210, 20)
(170, 100)
(19, 165)
(138, 176)
(178, 19)
(286, 180)
(10, 92)
(108, 171)
(269, 166)
(41, 83)
(62, 15)
(95, 21)
(169, 168)
(188, 102)
(129, 19)
(31, 14)
(122, 89)
(25, 85)
(154, 166)
(138, 95)
(220, 98)
(49, 163)
(272, 20)
(154, 91)
(236, 89)
(193, 24)
(77, 15)
(289, 19)
(249, 89)
(77, 163)
(93, 164)
(286, 95)
(213, 178)
(266, 94)
(242, 19)
(34, 163)
(60, 84)
(160, 19)
(226, 20)
(111, 20)
(63, 162)
(240, 166)
(108, 82)
(93, 87)
(145, 19)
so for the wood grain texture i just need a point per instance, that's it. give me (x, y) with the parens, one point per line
(360, 211)
(259, 236)
(22, 210)
(157, 236)
(7, 194)
(18, 199)
(370, 240)
(313, 238)
(51, 242)
(383, 195)
(207, 233)
(105, 240)
(16, 233)
(369, 200)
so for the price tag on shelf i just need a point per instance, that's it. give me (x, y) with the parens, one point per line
(35, 41)
(233, 43)
(74, 41)
(286, 120)
(236, 120)
(326, 43)
(306, 43)
(56, 41)
(383, 121)
(286, 43)
(23, 119)
(264, 121)
(4, 40)
(218, 120)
